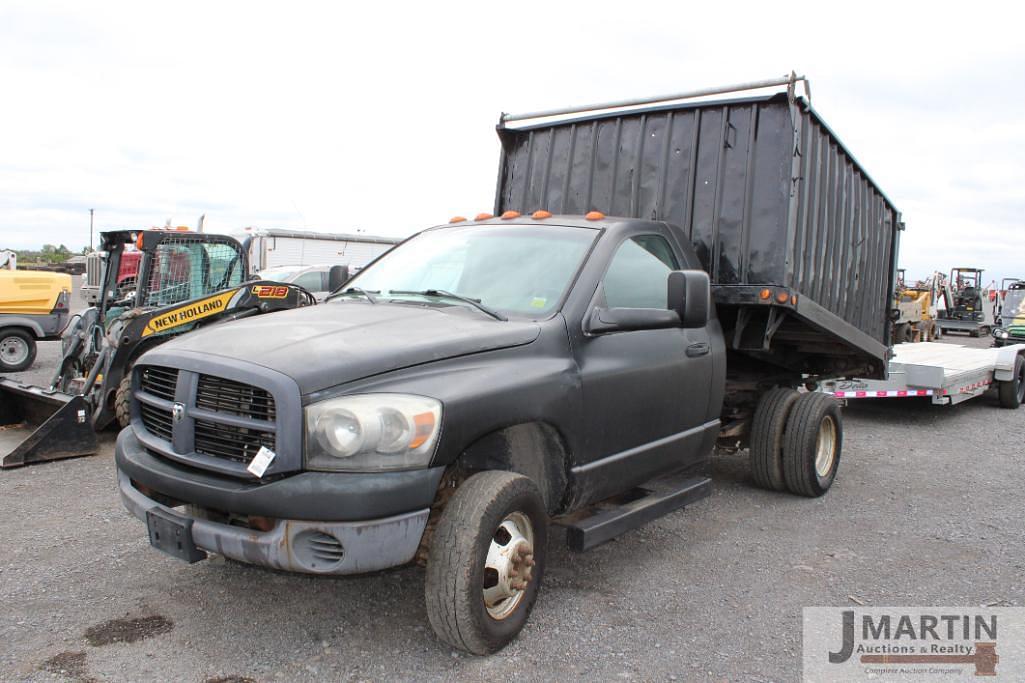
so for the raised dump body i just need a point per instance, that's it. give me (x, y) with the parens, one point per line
(800, 243)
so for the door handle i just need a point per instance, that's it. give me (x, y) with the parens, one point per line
(699, 349)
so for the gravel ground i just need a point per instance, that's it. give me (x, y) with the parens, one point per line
(925, 511)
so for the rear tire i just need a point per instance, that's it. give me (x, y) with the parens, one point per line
(122, 400)
(1012, 392)
(492, 535)
(767, 431)
(17, 349)
(812, 445)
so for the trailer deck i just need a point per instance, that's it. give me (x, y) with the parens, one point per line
(948, 373)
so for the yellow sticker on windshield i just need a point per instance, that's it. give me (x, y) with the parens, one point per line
(538, 302)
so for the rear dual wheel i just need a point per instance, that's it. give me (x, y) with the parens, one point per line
(796, 441)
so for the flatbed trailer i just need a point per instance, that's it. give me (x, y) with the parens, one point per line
(946, 373)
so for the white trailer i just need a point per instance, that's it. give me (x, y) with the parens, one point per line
(948, 373)
(274, 248)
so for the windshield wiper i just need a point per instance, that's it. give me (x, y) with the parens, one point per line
(442, 294)
(357, 290)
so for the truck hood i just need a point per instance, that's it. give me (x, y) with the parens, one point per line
(331, 344)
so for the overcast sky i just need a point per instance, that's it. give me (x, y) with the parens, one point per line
(380, 116)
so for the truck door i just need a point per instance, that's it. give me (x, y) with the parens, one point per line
(645, 391)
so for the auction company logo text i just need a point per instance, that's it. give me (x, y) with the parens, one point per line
(913, 643)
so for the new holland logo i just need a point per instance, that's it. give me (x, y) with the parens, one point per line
(189, 313)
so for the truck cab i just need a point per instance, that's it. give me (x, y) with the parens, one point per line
(578, 357)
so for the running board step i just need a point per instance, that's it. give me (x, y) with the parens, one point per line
(606, 520)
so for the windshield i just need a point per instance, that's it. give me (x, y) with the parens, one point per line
(1014, 305)
(515, 269)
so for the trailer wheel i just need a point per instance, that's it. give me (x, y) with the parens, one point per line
(486, 561)
(1012, 392)
(812, 445)
(17, 349)
(122, 398)
(767, 430)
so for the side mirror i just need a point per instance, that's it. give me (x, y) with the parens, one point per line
(630, 319)
(336, 277)
(690, 295)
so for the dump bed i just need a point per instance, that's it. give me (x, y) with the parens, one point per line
(767, 194)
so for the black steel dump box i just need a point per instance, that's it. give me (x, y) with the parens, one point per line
(771, 199)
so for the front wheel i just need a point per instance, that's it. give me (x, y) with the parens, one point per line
(486, 561)
(17, 349)
(122, 400)
(811, 450)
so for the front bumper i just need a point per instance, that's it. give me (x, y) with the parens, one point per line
(294, 542)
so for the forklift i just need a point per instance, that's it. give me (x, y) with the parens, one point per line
(186, 281)
(967, 310)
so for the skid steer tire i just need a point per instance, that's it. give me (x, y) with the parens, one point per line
(767, 430)
(490, 544)
(122, 401)
(812, 445)
(1012, 391)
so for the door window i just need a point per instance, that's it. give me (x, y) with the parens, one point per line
(312, 281)
(638, 274)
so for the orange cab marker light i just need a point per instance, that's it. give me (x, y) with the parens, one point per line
(594, 215)
(793, 299)
(510, 214)
(541, 214)
(483, 216)
(456, 219)
(782, 297)
(424, 423)
(138, 241)
(764, 294)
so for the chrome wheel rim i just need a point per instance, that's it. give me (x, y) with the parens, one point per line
(13, 350)
(825, 447)
(509, 566)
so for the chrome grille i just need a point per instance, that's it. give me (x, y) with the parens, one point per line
(228, 441)
(159, 382)
(235, 398)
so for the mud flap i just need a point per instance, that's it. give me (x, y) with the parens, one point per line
(37, 425)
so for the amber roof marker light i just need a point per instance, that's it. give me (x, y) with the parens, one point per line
(510, 214)
(541, 214)
(483, 216)
(456, 219)
(594, 215)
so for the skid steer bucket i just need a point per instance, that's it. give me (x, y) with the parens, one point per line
(37, 425)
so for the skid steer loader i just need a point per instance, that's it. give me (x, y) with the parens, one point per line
(186, 281)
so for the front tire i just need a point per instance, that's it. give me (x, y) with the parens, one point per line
(1012, 391)
(17, 349)
(486, 561)
(814, 439)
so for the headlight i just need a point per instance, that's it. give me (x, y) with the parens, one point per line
(372, 432)
(1000, 333)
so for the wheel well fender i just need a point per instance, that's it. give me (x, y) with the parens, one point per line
(24, 324)
(534, 449)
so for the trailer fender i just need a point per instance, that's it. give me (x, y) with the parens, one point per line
(1006, 355)
(29, 324)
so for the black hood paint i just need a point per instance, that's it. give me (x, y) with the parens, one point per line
(331, 344)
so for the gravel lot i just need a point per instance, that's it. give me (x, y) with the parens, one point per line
(926, 510)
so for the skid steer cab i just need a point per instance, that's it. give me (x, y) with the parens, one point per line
(186, 281)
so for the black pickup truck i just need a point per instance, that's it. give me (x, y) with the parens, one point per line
(654, 282)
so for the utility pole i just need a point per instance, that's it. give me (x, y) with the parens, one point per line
(90, 229)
